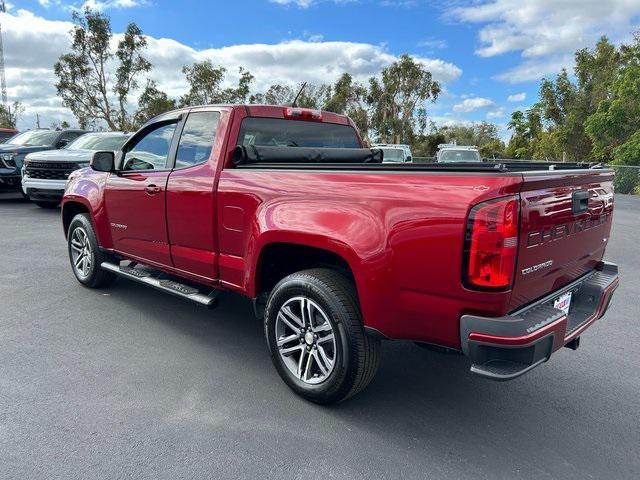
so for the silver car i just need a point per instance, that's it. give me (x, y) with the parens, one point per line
(45, 174)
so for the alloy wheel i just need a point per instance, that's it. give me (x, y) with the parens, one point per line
(305, 340)
(81, 253)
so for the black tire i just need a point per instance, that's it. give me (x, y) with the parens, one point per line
(96, 277)
(357, 355)
(47, 205)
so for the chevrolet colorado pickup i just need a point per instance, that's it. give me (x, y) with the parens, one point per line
(502, 262)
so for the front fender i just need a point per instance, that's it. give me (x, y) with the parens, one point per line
(86, 187)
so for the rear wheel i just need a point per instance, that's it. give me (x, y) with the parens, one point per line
(47, 205)
(85, 256)
(316, 338)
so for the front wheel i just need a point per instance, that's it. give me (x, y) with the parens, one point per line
(85, 256)
(316, 337)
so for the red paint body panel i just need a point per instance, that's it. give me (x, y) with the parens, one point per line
(550, 231)
(401, 233)
(137, 218)
(191, 210)
(402, 236)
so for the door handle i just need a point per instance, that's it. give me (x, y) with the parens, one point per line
(152, 189)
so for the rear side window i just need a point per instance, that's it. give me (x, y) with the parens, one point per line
(277, 132)
(197, 138)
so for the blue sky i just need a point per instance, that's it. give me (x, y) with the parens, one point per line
(489, 54)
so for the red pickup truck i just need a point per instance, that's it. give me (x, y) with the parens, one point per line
(500, 261)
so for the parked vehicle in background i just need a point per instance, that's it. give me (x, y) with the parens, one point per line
(7, 133)
(394, 152)
(502, 262)
(450, 152)
(45, 173)
(12, 152)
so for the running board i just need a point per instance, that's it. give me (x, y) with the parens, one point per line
(161, 281)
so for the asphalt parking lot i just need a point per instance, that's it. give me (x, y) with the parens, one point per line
(131, 383)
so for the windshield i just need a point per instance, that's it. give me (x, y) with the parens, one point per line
(392, 155)
(277, 132)
(36, 138)
(460, 156)
(98, 141)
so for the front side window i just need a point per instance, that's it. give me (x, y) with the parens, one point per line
(197, 138)
(151, 151)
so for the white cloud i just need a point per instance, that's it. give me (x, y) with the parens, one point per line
(304, 3)
(105, 4)
(33, 44)
(535, 69)
(99, 5)
(545, 32)
(517, 97)
(299, 3)
(399, 3)
(493, 114)
(471, 104)
(433, 44)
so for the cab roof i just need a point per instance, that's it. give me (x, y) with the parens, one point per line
(250, 110)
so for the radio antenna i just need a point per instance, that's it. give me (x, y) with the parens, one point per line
(293, 104)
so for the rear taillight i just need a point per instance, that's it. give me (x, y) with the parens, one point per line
(491, 244)
(303, 114)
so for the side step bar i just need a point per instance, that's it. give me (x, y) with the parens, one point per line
(162, 282)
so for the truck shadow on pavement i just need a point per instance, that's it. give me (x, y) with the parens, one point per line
(421, 400)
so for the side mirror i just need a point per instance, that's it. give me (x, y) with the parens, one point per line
(103, 162)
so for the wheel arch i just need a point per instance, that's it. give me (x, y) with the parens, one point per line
(70, 210)
(278, 258)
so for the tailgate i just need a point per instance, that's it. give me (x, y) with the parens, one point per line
(565, 222)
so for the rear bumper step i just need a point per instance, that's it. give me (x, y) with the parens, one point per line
(162, 282)
(506, 347)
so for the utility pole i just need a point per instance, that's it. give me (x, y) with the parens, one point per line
(3, 79)
(38, 120)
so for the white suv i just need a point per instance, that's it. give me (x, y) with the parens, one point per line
(394, 152)
(449, 153)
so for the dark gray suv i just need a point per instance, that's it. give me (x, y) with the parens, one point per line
(13, 152)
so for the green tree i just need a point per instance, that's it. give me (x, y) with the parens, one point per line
(205, 85)
(9, 115)
(492, 149)
(349, 98)
(152, 102)
(484, 135)
(84, 83)
(312, 96)
(526, 127)
(617, 117)
(276, 94)
(398, 100)
(627, 156)
(565, 104)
